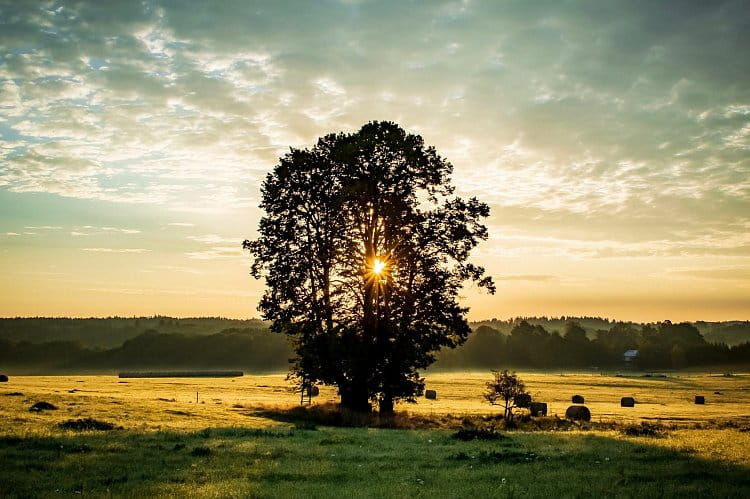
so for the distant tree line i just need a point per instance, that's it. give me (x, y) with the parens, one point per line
(248, 349)
(109, 332)
(660, 346)
(61, 345)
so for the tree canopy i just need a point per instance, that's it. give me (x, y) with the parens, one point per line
(364, 248)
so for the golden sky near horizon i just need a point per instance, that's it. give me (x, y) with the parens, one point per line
(611, 140)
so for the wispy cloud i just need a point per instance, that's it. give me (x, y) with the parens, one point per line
(215, 239)
(722, 273)
(116, 250)
(525, 277)
(90, 230)
(216, 252)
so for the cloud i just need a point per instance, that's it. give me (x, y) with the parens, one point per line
(90, 230)
(216, 253)
(215, 239)
(116, 250)
(721, 273)
(594, 130)
(525, 277)
(573, 106)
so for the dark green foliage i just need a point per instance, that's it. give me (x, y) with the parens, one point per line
(335, 213)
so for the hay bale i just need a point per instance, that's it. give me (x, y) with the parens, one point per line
(3, 378)
(314, 391)
(538, 408)
(627, 402)
(523, 400)
(577, 399)
(430, 394)
(42, 406)
(700, 399)
(578, 413)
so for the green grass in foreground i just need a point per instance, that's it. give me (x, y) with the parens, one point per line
(361, 462)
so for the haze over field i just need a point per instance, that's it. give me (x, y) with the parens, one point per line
(611, 140)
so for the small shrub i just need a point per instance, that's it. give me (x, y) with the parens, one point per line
(644, 430)
(467, 434)
(86, 424)
(42, 406)
(305, 425)
(506, 456)
(506, 390)
(201, 452)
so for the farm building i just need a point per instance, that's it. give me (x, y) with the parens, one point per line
(630, 355)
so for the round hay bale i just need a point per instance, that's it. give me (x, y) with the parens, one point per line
(314, 391)
(578, 413)
(627, 402)
(42, 406)
(577, 399)
(3, 378)
(538, 408)
(700, 399)
(430, 394)
(523, 400)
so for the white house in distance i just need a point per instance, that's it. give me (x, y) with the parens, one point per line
(630, 355)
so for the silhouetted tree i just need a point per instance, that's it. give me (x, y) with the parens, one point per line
(504, 389)
(364, 248)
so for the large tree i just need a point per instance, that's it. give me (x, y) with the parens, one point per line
(364, 248)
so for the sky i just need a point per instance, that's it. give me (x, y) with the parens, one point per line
(611, 140)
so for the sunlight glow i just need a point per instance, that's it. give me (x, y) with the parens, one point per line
(378, 266)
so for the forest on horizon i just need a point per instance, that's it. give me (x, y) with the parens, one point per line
(106, 345)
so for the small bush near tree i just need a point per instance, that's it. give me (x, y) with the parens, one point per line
(505, 390)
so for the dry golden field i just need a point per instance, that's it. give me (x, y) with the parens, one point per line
(170, 403)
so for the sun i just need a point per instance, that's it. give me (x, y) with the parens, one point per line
(378, 266)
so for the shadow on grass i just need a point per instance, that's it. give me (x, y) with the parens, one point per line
(243, 462)
(310, 417)
(330, 414)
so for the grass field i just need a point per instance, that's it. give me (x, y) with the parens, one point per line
(232, 442)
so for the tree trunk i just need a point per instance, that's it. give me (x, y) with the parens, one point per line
(385, 405)
(354, 397)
